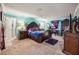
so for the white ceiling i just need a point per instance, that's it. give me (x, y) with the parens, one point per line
(46, 10)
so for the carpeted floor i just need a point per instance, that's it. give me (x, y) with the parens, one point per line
(30, 47)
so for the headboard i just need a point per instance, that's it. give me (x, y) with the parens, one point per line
(32, 25)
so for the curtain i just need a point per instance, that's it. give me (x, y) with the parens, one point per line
(2, 42)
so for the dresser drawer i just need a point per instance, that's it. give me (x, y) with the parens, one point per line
(71, 43)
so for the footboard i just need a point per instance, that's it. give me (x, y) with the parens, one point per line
(39, 40)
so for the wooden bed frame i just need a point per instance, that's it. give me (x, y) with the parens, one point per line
(43, 36)
(32, 25)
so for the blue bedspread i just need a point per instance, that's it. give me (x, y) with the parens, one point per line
(35, 34)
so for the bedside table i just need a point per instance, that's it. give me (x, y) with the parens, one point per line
(23, 35)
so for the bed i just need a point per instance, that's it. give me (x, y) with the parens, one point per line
(35, 33)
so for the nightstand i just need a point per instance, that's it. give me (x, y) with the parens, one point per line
(23, 35)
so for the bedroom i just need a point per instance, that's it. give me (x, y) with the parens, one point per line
(43, 23)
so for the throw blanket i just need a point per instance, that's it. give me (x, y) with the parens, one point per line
(35, 34)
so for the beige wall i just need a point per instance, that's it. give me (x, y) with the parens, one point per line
(9, 34)
(76, 13)
(9, 31)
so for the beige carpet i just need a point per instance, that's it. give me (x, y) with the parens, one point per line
(30, 47)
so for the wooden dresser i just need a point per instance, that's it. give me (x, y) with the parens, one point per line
(71, 43)
(22, 35)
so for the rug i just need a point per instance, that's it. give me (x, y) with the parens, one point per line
(51, 41)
